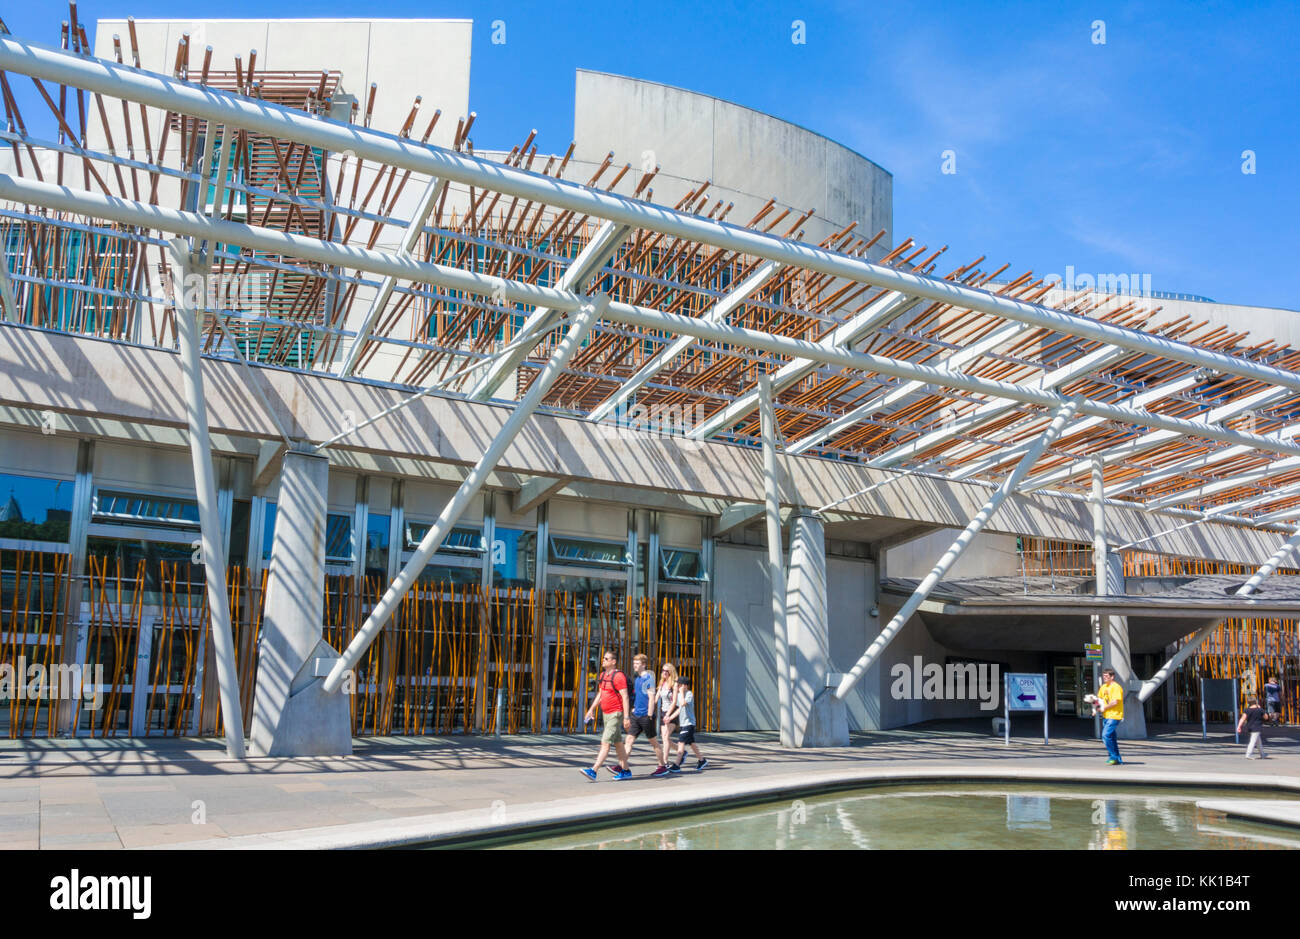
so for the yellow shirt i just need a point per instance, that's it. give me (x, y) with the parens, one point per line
(1111, 696)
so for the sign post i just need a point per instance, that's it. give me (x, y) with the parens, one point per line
(1220, 694)
(1024, 691)
(1092, 653)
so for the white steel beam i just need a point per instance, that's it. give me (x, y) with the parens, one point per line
(717, 313)
(775, 562)
(1094, 360)
(106, 77)
(469, 489)
(1279, 516)
(1137, 401)
(1225, 511)
(1126, 450)
(1197, 465)
(542, 320)
(1190, 647)
(377, 262)
(894, 396)
(433, 191)
(205, 488)
(954, 552)
(1264, 498)
(1200, 493)
(880, 313)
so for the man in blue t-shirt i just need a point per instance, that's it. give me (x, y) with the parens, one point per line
(643, 710)
(1273, 700)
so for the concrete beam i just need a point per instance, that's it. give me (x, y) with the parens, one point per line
(116, 382)
(534, 492)
(739, 515)
(292, 715)
(270, 457)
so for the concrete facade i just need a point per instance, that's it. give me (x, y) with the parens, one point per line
(563, 477)
(749, 156)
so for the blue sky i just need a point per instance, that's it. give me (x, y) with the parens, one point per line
(1122, 157)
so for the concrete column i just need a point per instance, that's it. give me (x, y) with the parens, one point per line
(292, 715)
(1116, 654)
(819, 718)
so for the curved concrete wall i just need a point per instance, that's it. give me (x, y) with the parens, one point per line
(749, 156)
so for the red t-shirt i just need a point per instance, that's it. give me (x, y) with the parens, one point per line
(611, 702)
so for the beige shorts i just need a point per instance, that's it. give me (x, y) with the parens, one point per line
(613, 728)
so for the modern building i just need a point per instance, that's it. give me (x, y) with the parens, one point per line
(375, 299)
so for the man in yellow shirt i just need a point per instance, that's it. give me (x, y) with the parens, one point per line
(1110, 702)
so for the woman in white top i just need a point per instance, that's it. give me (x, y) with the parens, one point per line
(665, 699)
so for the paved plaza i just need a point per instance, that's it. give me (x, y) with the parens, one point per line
(151, 793)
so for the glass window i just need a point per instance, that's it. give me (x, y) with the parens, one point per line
(268, 530)
(460, 540)
(34, 508)
(338, 535)
(132, 508)
(239, 519)
(681, 565)
(378, 528)
(586, 552)
(514, 558)
(168, 573)
(451, 574)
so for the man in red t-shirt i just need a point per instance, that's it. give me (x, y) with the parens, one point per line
(612, 701)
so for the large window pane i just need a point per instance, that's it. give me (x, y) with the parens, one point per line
(584, 551)
(34, 508)
(378, 528)
(338, 535)
(134, 508)
(514, 558)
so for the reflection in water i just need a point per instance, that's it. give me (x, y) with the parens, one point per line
(1028, 812)
(953, 817)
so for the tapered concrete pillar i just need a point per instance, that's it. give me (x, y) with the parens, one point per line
(1115, 653)
(820, 720)
(292, 715)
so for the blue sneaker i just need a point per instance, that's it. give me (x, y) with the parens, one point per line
(623, 774)
(613, 769)
(701, 765)
(674, 767)
(589, 773)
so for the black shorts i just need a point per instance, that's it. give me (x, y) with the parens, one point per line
(687, 734)
(642, 726)
(1273, 707)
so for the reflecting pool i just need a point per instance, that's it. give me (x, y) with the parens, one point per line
(975, 816)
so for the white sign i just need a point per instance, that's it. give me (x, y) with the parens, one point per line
(1026, 692)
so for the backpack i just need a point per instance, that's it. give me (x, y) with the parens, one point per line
(627, 684)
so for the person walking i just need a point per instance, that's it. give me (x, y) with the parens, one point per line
(643, 712)
(1273, 700)
(1252, 720)
(611, 699)
(684, 712)
(1110, 703)
(665, 698)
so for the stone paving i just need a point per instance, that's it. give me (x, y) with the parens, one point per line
(159, 792)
